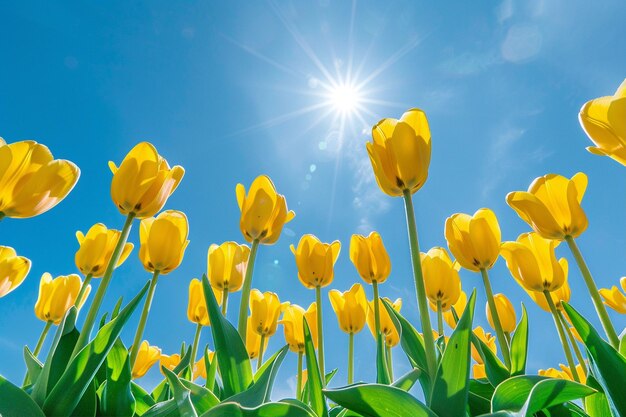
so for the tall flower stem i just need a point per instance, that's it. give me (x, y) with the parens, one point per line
(194, 347)
(144, 318)
(389, 361)
(42, 338)
(350, 358)
(439, 319)
(242, 326)
(299, 383)
(559, 328)
(260, 360)
(573, 342)
(376, 307)
(429, 341)
(83, 288)
(90, 320)
(224, 301)
(504, 346)
(320, 333)
(593, 291)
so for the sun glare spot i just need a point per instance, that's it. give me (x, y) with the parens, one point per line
(345, 98)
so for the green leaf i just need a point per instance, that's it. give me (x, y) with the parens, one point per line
(479, 399)
(406, 381)
(512, 393)
(16, 403)
(211, 367)
(622, 343)
(88, 404)
(279, 409)
(494, 368)
(314, 380)
(117, 398)
(184, 363)
(182, 395)
(167, 408)
(519, 345)
(80, 372)
(143, 400)
(609, 367)
(451, 387)
(231, 353)
(201, 398)
(382, 373)
(161, 392)
(261, 390)
(376, 400)
(33, 364)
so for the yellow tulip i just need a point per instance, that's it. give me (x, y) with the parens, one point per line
(163, 241)
(293, 326)
(147, 356)
(564, 373)
(459, 307)
(143, 182)
(400, 153)
(387, 328)
(96, 249)
(265, 308)
(614, 298)
(506, 312)
(488, 339)
(562, 294)
(315, 261)
(199, 368)
(253, 341)
(441, 280)
(478, 371)
(226, 265)
(350, 308)
(369, 256)
(474, 240)
(31, 180)
(197, 311)
(169, 361)
(57, 295)
(532, 262)
(604, 121)
(552, 205)
(13, 270)
(263, 211)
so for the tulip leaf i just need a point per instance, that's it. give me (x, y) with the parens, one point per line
(211, 367)
(519, 345)
(494, 368)
(377, 400)
(183, 365)
(117, 398)
(68, 391)
(451, 385)
(88, 403)
(277, 409)
(305, 390)
(167, 408)
(622, 343)
(261, 390)
(609, 367)
(182, 395)
(230, 351)
(202, 399)
(161, 392)
(479, 399)
(143, 400)
(406, 381)
(33, 365)
(382, 372)
(16, 403)
(314, 379)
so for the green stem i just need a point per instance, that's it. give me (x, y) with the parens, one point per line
(376, 307)
(439, 319)
(144, 318)
(429, 342)
(83, 288)
(260, 360)
(242, 327)
(389, 361)
(194, 347)
(299, 383)
(559, 328)
(593, 291)
(504, 347)
(42, 337)
(224, 301)
(102, 288)
(320, 333)
(507, 336)
(573, 342)
(350, 358)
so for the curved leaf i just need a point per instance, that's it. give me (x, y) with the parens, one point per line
(117, 398)
(201, 398)
(406, 381)
(382, 372)
(16, 403)
(182, 395)
(314, 380)
(143, 400)
(279, 409)
(33, 365)
(494, 368)
(519, 345)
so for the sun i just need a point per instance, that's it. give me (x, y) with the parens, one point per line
(345, 98)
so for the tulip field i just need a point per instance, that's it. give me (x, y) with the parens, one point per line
(90, 369)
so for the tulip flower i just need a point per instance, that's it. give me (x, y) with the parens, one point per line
(315, 261)
(442, 282)
(478, 371)
(31, 180)
(615, 298)
(13, 270)
(562, 294)
(351, 310)
(487, 339)
(226, 266)
(506, 312)
(293, 327)
(459, 308)
(565, 373)
(475, 243)
(604, 121)
(387, 328)
(265, 308)
(163, 242)
(253, 341)
(264, 213)
(169, 361)
(147, 356)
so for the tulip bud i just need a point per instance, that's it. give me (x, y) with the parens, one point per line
(163, 241)
(147, 356)
(400, 153)
(13, 270)
(387, 328)
(226, 265)
(441, 280)
(197, 311)
(315, 261)
(96, 249)
(293, 326)
(552, 205)
(265, 308)
(506, 313)
(263, 211)
(58, 295)
(369, 256)
(31, 180)
(350, 308)
(143, 182)
(474, 240)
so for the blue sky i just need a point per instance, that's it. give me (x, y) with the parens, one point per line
(231, 90)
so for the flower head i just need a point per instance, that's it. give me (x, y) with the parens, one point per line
(350, 308)
(293, 326)
(13, 270)
(58, 295)
(615, 298)
(506, 313)
(369, 256)
(226, 265)
(147, 356)
(265, 308)
(387, 328)
(315, 261)
(253, 340)
(474, 240)
(96, 248)
(441, 280)
(163, 241)
(488, 339)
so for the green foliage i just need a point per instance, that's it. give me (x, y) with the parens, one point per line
(314, 380)
(16, 403)
(519, 345)
(117, 399)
